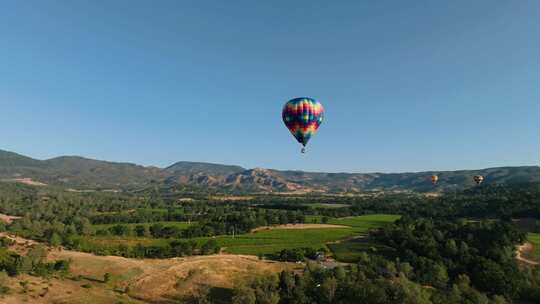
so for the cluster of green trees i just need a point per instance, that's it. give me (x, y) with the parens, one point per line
(175, 248)
(239, 219)
(168, 249)
(33, 263)
(156, 230)
(50, 203)
(440, 251)
(298, 254)
(373, 280)
(186, 212)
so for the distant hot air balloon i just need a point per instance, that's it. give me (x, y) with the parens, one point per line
(303, 116)
(478, 179)
(434, 179)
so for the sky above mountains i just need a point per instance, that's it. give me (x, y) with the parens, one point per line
(406, 87)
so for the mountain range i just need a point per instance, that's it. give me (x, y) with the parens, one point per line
(82, 173)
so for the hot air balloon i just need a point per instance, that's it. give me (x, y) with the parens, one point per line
(434, 179)
(303, 116)
(478, 179)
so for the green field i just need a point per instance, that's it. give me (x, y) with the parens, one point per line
(534, 238)
(181, 225)
(274, 240)
(362, 224)
(310, 219)
(271, 241)
(260, 242)
(350, 250)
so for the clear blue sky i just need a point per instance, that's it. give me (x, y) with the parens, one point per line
(407, 85)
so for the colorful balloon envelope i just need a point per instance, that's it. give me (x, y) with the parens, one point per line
(303, 116)
(434, 179)
(478, 179)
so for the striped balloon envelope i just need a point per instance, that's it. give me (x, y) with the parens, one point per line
(303, 116)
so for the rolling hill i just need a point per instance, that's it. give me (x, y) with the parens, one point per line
(77, 172)
(83, 173)
(185, 167)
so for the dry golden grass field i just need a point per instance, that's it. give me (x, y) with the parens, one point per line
(133, 280)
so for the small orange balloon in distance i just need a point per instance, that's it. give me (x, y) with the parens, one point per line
(434, 179)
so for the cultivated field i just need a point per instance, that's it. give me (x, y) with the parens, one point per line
(362, 224)
(350, 249)
(274, 239)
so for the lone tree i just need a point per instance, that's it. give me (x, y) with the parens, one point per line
(106, 277)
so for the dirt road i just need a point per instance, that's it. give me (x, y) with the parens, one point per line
(523, 249)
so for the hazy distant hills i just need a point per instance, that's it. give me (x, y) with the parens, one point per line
(82, 173)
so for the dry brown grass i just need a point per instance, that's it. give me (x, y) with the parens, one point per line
(60, 291)
(29, 181)
(155, 279)
(8, 218)
(147, 280)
